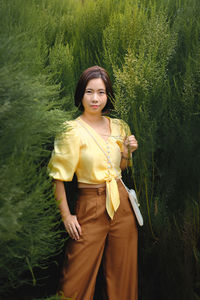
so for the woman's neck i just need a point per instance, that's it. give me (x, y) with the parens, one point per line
(92, 118)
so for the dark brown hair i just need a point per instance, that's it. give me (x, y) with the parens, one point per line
(87, 75)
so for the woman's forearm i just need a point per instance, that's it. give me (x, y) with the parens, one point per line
(125, 158)
(62, 199)
(70, 221)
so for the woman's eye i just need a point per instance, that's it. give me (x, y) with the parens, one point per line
(88, 92)
(102, 93)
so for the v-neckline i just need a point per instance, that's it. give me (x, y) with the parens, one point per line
(97, 134)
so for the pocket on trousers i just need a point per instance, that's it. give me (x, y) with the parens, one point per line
(127, 208)
(125, 202)
(86, 209)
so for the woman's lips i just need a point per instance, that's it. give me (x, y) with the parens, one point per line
(94, 106)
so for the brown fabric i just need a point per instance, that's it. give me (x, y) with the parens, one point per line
(113, 241)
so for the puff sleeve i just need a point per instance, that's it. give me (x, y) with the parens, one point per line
(124, 133)
(65, 156)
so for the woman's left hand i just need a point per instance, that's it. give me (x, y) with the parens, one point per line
(130, 144)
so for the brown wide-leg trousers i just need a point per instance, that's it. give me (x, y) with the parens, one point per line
(113, 241)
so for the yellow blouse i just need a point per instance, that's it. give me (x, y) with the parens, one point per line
(81, 150)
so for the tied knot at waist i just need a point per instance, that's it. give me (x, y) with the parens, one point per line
(112, 196)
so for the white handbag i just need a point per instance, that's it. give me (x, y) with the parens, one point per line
(135, 204)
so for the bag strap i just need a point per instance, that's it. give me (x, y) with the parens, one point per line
(80, 123)
(125, 186)
(127, 189)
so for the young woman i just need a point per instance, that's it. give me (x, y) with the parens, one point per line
(104, 228)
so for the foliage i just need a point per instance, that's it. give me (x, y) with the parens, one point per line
(152, 52)
(30, 235)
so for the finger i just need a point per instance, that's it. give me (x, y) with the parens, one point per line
(74, 231)
(133, 148)
(70, 231)
(134, 143)
(79, 228)
(132, 138)
(77, 225)
(71, 234)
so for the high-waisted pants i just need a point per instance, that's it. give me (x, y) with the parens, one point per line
(112, 242)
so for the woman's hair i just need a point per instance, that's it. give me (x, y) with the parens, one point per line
(87, 75)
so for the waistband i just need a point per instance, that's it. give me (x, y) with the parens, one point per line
(92, 191)
(96, 191)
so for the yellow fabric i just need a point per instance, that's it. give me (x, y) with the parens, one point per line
(112, 197)
(75, 151)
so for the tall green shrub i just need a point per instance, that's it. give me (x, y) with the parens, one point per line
(151, 50)
(157, 91)
(29, 231)
(138, 88)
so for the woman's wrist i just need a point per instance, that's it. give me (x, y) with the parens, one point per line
(126, 157)
(126, 153)
(65, 217)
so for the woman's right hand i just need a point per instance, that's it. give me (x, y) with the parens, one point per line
(72, 226)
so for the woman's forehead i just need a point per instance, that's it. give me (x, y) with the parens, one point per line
(96, 84)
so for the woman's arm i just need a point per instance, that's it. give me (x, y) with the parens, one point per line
(70, 221)
(124, 161)
(130, 145)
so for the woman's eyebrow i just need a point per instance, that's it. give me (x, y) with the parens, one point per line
(93, 89)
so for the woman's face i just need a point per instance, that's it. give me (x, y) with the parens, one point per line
(95, 97)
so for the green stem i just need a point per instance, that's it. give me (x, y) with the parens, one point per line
(31, 270)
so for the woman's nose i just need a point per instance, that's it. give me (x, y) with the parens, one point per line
(95, 97)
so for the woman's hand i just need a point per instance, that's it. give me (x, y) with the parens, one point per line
(72, 226)
(130, 144)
